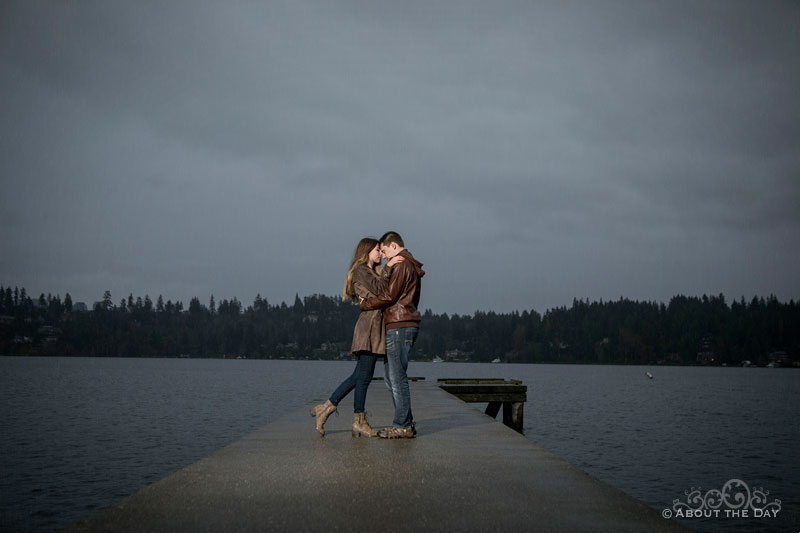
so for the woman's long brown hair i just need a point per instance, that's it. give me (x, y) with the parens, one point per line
(360, 257)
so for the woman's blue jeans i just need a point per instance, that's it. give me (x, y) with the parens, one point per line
(358, 380)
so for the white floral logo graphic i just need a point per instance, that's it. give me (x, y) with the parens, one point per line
(735, 500)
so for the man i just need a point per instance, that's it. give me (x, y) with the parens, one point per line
(399, 303)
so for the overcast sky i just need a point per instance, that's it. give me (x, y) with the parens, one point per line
(528, 152)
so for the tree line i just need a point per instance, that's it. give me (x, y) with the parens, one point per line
(687, 330)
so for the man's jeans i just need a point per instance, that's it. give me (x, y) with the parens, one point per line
(398, 345)
(358, 380)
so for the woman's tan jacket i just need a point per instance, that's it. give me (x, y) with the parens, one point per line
(369, 334)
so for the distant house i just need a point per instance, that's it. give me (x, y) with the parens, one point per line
(777, 357)
(49, 331)
(457, 355)
(706, 355)
(451, 354)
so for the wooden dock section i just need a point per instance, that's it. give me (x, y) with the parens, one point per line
(510, 394)
(465, 471)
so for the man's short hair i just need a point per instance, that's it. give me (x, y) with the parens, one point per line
(392, 237)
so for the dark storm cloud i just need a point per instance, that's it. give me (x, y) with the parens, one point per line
(530, 152)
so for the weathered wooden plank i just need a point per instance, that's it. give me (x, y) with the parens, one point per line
(488, 389)
(484, 398)
(466, 381)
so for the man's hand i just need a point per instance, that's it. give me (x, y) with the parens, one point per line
(394, 260)
(361, 300)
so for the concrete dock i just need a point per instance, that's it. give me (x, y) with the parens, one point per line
(465, 471)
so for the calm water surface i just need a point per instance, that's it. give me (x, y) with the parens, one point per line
(78, 434)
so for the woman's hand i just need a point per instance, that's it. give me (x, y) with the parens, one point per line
(394, 260)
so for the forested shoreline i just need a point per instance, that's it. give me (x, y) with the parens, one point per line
(703, 330)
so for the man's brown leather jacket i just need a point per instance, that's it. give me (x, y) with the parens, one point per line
(400, 299)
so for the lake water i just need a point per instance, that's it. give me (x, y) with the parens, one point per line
(77, 434)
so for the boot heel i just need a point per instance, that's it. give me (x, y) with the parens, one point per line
(360, 426)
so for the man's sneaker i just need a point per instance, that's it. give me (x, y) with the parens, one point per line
(394, 432)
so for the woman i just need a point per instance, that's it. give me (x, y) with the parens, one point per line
(364, 279)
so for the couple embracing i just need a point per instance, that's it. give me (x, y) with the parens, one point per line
(386, 328)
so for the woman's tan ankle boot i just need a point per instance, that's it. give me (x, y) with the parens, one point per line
(322, 412)
(360, 426)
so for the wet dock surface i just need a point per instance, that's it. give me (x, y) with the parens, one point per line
(465, 471)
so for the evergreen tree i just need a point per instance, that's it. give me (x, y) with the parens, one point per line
(195, 307)
(107, 304)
